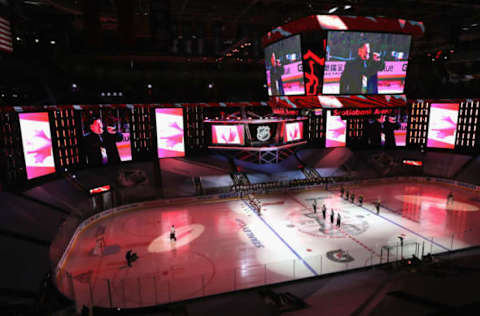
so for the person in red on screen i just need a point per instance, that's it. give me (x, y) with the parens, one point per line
(360, 74)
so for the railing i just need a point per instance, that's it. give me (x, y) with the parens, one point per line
(160, 288)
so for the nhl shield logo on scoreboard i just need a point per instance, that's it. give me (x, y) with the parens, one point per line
(263, 133)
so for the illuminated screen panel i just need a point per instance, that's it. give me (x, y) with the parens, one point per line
(365, 63)
(228, 134)
(37, 144)
(293, 131)
(283, 61)
(170, 136)
(106, 136)
(336, 131)
(387, 130)
(442, 125)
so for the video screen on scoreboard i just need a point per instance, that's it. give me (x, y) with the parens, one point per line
(293, 131)
(365, 63)
(442, 125)
(386, 130)
(37, 144)
(283, 62)
(228, 135)
(170, 134)
(106, 136)
(336, 135)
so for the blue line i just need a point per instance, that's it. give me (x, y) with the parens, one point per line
(286, 244)
(407, 229)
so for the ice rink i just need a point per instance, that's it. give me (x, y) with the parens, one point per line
(224, 245)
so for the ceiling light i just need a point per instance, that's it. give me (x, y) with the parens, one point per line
(347, 7)
(52, 42)
(333, 10)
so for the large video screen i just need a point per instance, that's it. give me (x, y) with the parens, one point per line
(283, 61)
(442, 125)
(386, 130)
(170, 135)
(365, 63)
(336, 131)
(37, 144)
(106, 136)
(228, 135)
(293, 131)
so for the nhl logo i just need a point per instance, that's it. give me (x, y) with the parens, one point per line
(263, 133)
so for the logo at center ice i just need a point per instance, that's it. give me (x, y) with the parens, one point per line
(263, 133)
(314, 224)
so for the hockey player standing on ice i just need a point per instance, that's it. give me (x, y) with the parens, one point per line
(172, 233)
(377, 205)
(450, 198)
(324, 211)
(332, 216)
(338, 219)
(342, 191)
(314, 205)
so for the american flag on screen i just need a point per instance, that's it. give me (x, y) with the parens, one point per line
(5, 35)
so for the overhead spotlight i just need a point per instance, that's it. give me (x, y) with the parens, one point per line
(37, 40)
(333, 10)
(465, 28)
(210, 85)
(114, 94)
(475, 24)
(120, 94)
(264, 85)
(102, 94)
(347, 7)
(74, 85)
(52, 42)
(108, 94)
(18, 38)
(445, 57)
(433, 59)
(149, 86)
(452, 51)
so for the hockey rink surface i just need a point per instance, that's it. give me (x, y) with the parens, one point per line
(224, 245)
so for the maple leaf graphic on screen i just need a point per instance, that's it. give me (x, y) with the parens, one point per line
(43, 152)
(337, 132)
(446, 131)
(230, 137)
(175, 137)
(294, 133)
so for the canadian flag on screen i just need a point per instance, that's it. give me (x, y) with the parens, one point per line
(5, 36)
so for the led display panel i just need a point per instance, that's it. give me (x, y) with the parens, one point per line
(336, 131)
(365, 63)
(283, 61)
(293, 131)
(37, 144)
(106, 136)
(442, 125)
(228, 134)
(387, 130)
(170, 135)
